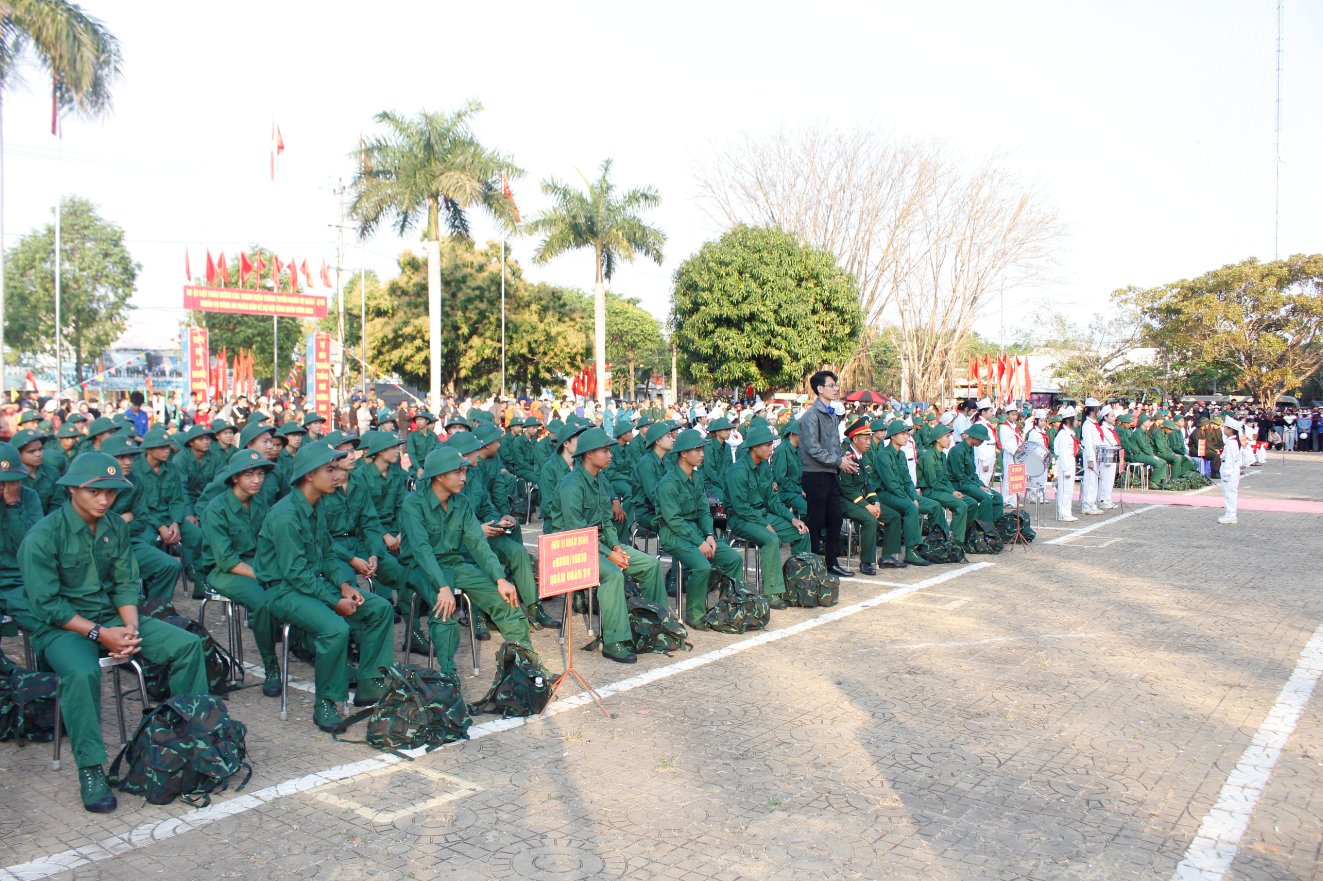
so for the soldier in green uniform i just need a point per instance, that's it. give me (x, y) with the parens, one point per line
(61, 452)
(686, 530)
(305, 585)
(718, 459)
(936, 484)
(496, 482)
(963, 471)
(230, 526)
(445, 549)
(638, 446)
(622, 478)
(314, 422)
(1143, 452)
(292, 434)
(82, 589)
(223, 447)
(421, 441)
(40, 477)
(21, 511)
(160, 506)
(759, 517)
(648, 472)
(897, 492)
(159, 570)
(787, 470)
(556, 469)
(545, 448)
(456, 423)
(585, 501)
(100, 429)
(196, 467)
(1165, 437)
(861, 505)
(357, 535)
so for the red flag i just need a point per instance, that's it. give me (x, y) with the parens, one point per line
(1028, 383)
(223, 382)
(277, 145)
(326, 276)
(245, 268)
(148, 383)
(277, 268)
(505, 191)
(259, 267)
(188, 273)
(1001, 375)
(224, 268)
(211, 270)
(238, 376)
(307, 276)
(293, 275)
(977, 374)
(30, 380)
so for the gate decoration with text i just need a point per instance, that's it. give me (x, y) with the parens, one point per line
(199, 362)
(245, 302)
(567, 561)
(319, 374)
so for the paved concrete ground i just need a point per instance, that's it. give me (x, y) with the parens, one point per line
(1075, 713)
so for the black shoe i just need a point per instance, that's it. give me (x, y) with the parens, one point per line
(867, 569)
(840, 571)
(272, 687)
(779, 604)
(619, 652)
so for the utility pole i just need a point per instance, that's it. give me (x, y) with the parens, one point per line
(339, 288)
(1277, 210)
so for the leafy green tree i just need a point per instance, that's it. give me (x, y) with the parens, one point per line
(758, 308)
(610, 225)
(633, 338)
(430, 167)
(546, 326)
(1261, 322)
(75, 49)
(257, 332)
(97, 278)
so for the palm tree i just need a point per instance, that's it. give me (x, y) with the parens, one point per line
(430, 162)
(82, 58)
(607, 223)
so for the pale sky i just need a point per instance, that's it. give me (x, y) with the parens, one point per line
(1149, 125)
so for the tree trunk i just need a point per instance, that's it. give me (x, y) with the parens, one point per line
(599, 331)
(434, 320)
(631, 382)
(3, 361)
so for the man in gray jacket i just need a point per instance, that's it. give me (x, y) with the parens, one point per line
(823, 457)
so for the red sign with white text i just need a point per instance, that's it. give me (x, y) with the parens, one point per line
(244, 302)
(1016, 479)
(199, 362)
(321, 375)
(567, 561)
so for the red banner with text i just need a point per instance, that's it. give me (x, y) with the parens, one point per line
(244, 302)
(199, 363)
(567, 561)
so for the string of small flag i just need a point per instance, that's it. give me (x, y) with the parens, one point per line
(218, 270)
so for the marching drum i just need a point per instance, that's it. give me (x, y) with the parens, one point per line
(1035, 458)
(1109, 454)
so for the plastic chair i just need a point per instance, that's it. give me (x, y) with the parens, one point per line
(114, 664)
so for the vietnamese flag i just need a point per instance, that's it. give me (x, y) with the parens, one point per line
(188, 273)
(307, 276)
(211, 270)
(259, 267)
(245, 268)
(224, 268)
(277, 269)
(293, 275)
(326, 276)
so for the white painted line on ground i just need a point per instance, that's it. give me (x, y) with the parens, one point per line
(152, 832)
(1099, 525)
(1214, 848)
(924, 645)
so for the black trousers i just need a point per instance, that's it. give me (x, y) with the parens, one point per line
(824, 510)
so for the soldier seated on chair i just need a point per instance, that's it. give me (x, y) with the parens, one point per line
(82, 588)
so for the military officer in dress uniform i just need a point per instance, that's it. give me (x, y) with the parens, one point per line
(586, 501)
(759, 517)
(230, 527)
(306, 586)
(82, 588)
(860, 503)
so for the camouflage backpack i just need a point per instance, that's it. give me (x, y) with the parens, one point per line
(187, 748)
(27, 706)
(738, 609)
(1007, 523)
(420, 708)
(521, 687)
(938, 546)
(221, 666)
(655, 630)
(808, 583)
(981, 537)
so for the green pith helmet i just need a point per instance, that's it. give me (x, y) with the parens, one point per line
(443, 460)
(94, 471)
(245, 460)
(310, 457)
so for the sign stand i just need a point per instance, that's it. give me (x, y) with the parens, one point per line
(1017, 483)
(569, 666)
(569, 562)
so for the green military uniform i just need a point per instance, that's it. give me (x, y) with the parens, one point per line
(41, 478)
(686, 522)
(1162, 436)
(718, 460)
(444, 547)
(70, 569)
(586, 502)
(15, 521)
(964, 476)
(1142, 451)
(313, 423)
(648, 472)
(858, 491)
(161, 503)
(752, 507)
(356, 531)
(638, 446)
(898, 493)
(285, 461)
(230, 529)
(496, 482)
(387, 490)
(195, 470)
(277, 484)
(159, 570)
(936, 484)
(56, 455)
(620, 475)
(553, 473)
(298, 567)
(420, 442)
(546, 447)
(787, 470)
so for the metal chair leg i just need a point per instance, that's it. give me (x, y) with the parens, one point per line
(679, 588)
(55, 760)
(473, 639)
(284, 672)
(119, 704)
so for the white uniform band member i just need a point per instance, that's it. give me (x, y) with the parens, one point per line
(1064, 448)
(1090, 440)
(1231, 455)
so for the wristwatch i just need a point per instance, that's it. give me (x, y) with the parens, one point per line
(94, 632)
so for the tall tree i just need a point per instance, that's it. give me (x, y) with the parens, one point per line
(759, 308)
(75, 49)
(633, 338)
(546, 326)
(1262, 322)
(431, 164)
(233, 332)
(97, 278)
(607, 222)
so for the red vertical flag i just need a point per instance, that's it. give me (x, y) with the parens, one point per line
(307, 276)
(505, 191)
(245, 268)
(326, 276)
(277, 268)
(277, 145)
(259, 267)
(188, 273)
(1001, 376)
(976, 374)
(1028, 383)
(211, 269)
(293, 276)
(223, 265)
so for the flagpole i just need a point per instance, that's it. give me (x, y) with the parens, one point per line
(362, 326)
(59, 334)
(503, 316)
(275, 350)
